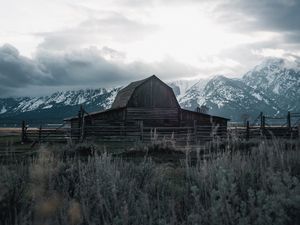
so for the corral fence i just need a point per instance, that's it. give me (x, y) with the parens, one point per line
(120, 132)
(286, 126)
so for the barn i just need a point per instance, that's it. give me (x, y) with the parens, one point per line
(149, 103)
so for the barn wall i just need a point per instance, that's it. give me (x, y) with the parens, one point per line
(188, 117)
(220, 121)
(125, 123)
(74, 123)
(206, 125)
(152, 117)
(112, 117)
(153, 93)
(74, 127)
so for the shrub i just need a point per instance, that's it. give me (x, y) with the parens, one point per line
(257, 186)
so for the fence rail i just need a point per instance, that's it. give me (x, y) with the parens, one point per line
(131, 133)
(135, 131)
(191, 135)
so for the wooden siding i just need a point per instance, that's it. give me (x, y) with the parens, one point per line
(124, 94)
(153, 116)
(107, 117)
(188, 117)
(150, 92)
(153, 93)
(207, 124)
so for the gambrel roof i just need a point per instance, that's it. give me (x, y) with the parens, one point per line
(126, 93)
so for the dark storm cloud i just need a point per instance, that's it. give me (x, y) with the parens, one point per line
(17, 71)
(262, 15)
(84, 68)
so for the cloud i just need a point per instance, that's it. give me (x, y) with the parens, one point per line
(133, 39)
(90, 67)
(261, 15)
(17, 71)
(110, 27)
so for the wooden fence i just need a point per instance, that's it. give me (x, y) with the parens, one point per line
(286, 126)
(136, 132)
(121, 133)
(181, 135)
(268, 132)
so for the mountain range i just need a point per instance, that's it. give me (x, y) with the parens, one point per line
(272, 87)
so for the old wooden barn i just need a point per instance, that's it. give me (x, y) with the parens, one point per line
(143, 107)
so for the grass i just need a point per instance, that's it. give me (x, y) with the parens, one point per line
(239, 183)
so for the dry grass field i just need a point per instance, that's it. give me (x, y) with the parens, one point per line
(237, 183)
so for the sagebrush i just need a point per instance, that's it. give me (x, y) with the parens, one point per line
(257, 186)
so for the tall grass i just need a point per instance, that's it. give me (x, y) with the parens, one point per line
(258, 186)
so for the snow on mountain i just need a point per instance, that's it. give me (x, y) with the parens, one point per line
(66, 98)
(3, 110)
(181, 86)
(272, 87)
(58, 105)
(278, 80)
(232, 98)
(190, 98)
(188, 91)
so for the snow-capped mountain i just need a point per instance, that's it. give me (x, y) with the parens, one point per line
(279, 80)
(57, 106)
(231, 98)
(272, 87)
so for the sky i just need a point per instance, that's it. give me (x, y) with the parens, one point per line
(47, 46)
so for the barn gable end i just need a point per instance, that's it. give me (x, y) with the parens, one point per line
(147, 93)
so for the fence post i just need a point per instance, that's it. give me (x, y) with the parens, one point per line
(195, 131)
(247, 131)
(289, 120)
(23, 135)
(141, 130)
(81, 124)
(188, 137)
(261, 120)
(82, 132)
(40, 134)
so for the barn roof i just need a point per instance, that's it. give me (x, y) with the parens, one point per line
(125, 94)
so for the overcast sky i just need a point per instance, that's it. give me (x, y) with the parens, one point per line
(69, 44)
